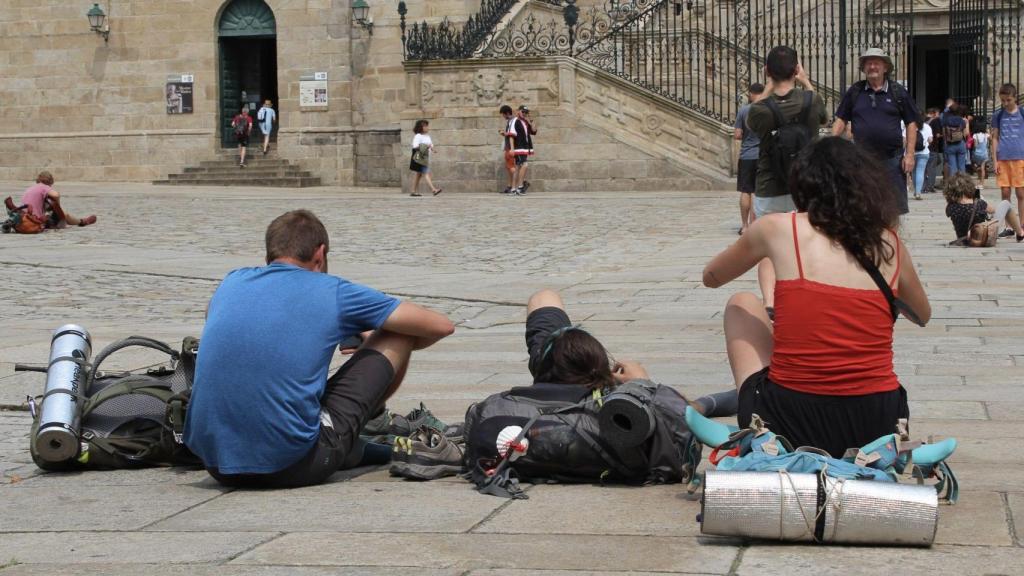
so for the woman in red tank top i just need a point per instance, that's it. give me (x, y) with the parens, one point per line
(822, 374)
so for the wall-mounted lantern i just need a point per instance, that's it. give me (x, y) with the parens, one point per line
(98, 22)
(361, 15)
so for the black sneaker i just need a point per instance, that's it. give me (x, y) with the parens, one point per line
(426, 455)
(507, 190)
(526, 186)
(1007, 233)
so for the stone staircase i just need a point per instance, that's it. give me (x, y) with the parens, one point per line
(267, 171)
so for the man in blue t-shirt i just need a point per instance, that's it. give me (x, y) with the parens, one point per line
(263, 411)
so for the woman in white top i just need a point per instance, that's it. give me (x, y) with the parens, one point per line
(921, 153)
(422, 148)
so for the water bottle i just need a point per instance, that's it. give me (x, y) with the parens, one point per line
(61, 410)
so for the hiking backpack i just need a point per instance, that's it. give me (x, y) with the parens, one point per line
(241, 125)
(132, 420)
(566, 443)
(787, 139)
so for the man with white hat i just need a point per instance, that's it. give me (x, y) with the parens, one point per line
(876, 109)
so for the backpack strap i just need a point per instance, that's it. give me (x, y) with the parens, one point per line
(141, 341)
(134, 384)
(772, 105)
(896, 306)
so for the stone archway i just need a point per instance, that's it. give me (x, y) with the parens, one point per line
(247, 60)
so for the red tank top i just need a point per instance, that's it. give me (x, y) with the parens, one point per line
(832, 340)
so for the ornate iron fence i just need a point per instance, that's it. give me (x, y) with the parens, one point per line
(444, 41)
(985, 51)
(703, 54)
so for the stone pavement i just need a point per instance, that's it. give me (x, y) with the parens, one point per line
(629, 266)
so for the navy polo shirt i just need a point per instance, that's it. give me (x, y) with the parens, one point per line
(876, 118)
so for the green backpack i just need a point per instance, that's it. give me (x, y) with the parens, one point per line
(133, 420)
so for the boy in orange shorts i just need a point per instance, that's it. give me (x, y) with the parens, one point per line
(1008, 144)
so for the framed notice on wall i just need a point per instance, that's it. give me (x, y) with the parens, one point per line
(178, 93)
(313, 90)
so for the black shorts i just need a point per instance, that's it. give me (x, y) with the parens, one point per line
(832, 423)
(243, 140)
(539, 325)
(746, 176)
(352, 396)
(521, 159)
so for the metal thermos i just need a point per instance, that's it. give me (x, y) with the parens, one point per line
(61, 410)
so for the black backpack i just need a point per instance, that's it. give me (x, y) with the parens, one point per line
(566, 442)
(787, 139)
(133, 420)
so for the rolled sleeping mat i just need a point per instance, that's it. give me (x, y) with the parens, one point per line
(625, 420)
(785, 506)
(60, 413)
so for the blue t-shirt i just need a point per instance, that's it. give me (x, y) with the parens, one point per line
(876, 116)
(265, 352)
(1011, 134)
(750, 145)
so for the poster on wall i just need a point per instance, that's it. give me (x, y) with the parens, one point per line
(313, 90)
(179, 93)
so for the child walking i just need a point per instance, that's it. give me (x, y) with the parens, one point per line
(422, 147)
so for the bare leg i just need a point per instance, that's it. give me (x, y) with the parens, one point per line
(397, 348)
(521, 175)
(745, 211)
(416, 182)
(766, 278)
(1005, 192)
(1019, 192)
(266, 143)
(544, 299)
(748, 336)
(429, 182)
(241, 155)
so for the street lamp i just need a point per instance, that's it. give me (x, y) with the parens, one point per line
(361, 15)
(97, 22)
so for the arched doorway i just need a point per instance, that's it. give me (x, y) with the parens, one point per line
(247, 46)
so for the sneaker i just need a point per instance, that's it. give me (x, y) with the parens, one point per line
(426, 455)
(507, 190)
(1007, 233)
(521, 191)
(421, 417)
(378, 429)
(416, 194)
(526, 186)
(917, 197)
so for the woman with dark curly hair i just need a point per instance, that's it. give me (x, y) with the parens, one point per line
(822, 374)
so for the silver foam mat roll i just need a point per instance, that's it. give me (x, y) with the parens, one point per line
(776, 506)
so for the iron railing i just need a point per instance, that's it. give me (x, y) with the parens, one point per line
(444, 41)
(985, 52)
(703, 54)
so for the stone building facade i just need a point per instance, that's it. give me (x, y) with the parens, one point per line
(90, 109)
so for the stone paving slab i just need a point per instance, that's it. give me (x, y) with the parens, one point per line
(512, 551)
(629, 267)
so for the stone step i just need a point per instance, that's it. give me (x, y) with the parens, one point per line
(264, 171)
(248, 162)
(280, 182)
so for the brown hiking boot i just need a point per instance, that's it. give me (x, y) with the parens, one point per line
(87, 220)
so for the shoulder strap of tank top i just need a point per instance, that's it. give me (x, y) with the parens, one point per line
(796, 245)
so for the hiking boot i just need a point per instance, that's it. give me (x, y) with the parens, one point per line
(87, 220)
(426, 455)
(420, 417)
(378, 429)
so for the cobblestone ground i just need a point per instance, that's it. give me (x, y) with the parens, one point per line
(629, 267)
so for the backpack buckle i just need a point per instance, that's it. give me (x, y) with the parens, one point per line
(178, 437)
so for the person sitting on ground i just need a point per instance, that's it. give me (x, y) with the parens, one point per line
(44, 202)
(263, 411)
(960, 192)
(822, 374)
(562, 353)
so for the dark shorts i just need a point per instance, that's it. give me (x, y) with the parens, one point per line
(521, 159)
(832, 423)
(539, 325)
(243, 140)
(352, 396)
(746, 176)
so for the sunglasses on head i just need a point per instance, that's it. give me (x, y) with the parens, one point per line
(549, 342)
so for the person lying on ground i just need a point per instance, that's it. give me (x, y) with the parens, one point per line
(822, 374)
(263, 411)
(45, 203)
(961, 194)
